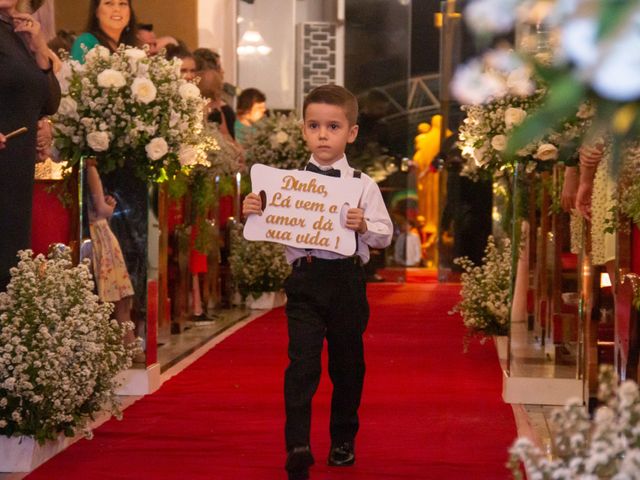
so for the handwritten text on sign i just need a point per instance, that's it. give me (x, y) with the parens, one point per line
(303, 209)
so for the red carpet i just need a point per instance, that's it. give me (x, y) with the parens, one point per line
(429, 411)
(408, 275)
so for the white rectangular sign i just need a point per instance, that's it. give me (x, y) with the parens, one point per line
(303, 209)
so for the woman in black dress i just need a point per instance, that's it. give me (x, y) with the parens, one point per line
(28, 91)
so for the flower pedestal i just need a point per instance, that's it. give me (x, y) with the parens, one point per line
(24, 454)
(266, 300)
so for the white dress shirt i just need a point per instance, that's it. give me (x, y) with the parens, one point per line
(379, 227)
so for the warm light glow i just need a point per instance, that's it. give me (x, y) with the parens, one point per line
(252, 43)
(605, 281)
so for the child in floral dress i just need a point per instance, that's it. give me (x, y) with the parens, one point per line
(110, 271)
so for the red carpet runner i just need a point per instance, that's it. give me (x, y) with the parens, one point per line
(429, 411)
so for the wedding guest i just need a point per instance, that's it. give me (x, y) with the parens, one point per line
(211, 84)
(28, 91)
(251, 107)
(166, 41)
(146, 36)
(188, 67)
(110, 23)
(326, 291)
(62, 41)
(408, 247)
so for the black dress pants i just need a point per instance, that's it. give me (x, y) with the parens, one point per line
(325, 299)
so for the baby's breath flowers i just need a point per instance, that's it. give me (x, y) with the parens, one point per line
(606, 447)
(257, 267)
(508, 93)
(277, 141)
(60, 350)
(127, 106)
(485, 291)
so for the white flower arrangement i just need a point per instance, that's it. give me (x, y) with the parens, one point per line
(257, 267)
(127, 106)
(277, 141)
(485, 291)
(590, 54)
(60, 350)
(500, 93)
(607, 447)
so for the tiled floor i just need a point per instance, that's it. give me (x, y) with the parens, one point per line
(196, 335)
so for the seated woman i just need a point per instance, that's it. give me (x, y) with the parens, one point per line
(250, 109)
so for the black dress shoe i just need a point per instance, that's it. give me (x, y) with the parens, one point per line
(342, 455)
(299, 459)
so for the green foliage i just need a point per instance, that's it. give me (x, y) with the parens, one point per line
(257, 267)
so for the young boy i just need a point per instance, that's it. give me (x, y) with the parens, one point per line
(326, 291)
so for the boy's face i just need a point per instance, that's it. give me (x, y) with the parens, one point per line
(327, 132)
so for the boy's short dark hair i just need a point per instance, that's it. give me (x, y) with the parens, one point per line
(334, 95)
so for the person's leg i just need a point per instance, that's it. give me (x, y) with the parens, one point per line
(122, 312)
(196, 297)
(347, 323)
(306, 337)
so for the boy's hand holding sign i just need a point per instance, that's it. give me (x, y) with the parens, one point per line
(301, 209)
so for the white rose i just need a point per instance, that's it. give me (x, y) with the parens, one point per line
(135, 53)
(188, 155)
(98, 141)
(143, 90)
(68, 107)
(514, 116)
(282, 137)
(97, 52)
(157, 148)
(499, 143)
(65, 73)
(110, 78)
(546, 152)
(188, 90)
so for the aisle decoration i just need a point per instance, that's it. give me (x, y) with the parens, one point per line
(499, 92)
(127, 106)
(208, 171)
(606, 447)
(257, 267)
(485, 291)
(277, 141)
(61, 350)
(598, 61)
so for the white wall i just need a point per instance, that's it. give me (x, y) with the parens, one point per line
(274, 74)
(217, 30)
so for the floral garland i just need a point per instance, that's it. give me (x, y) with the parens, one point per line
(608, 447)
(277, 141)
(500, 92)
(486, 291)
(257, 267)
(61, 349)
(592, 42)
(128, 106)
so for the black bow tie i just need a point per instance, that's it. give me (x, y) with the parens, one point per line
(332, 172)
